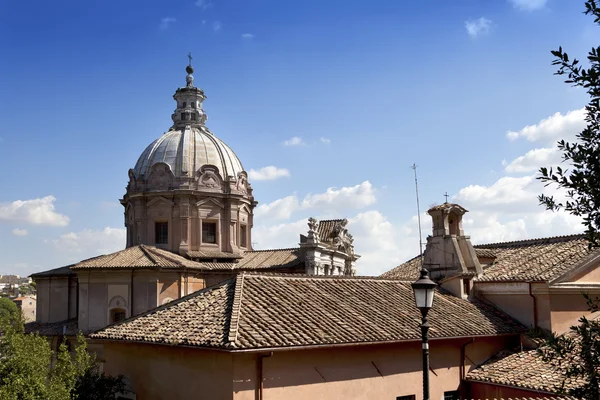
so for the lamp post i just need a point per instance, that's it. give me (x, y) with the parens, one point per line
(424, 289)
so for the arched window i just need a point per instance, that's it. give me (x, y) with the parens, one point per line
(184, 104)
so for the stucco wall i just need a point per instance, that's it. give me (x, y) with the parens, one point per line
(54, 302)
(479, 390)
(165, 372)
(566, 310)
(519, 306)
(366, 372)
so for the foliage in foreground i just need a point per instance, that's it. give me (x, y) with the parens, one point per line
(582, 180)
(577, 355)
(30, 370)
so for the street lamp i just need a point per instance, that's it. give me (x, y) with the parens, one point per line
(424, 289)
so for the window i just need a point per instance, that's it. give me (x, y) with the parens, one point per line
(193, 103)
(209, 232)
(117, 315)
(466, 287)
(193, 117)
(184, 104)
(452, 395)
(243, 237)
(409, 397)
(183, 116)
(161, 232)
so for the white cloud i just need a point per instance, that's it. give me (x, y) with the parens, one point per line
(325, 140)
(268, 173)
(550, 129)
(36, 212)
(217, 26)
(332, 200)
(528, 5)
(478, 27)
(90, 243)
(20, 232)
(294, 141)
(280, 209)
(377, 242)
(358, 196)
(166, 22)
(203, 4)
(247, 36)
(534, 159)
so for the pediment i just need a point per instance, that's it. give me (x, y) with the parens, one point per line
(210, 201)
(160, 199)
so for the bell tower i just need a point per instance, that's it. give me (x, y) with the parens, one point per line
(449, 251)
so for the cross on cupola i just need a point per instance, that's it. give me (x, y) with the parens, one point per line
(189, 112)
(446, 196)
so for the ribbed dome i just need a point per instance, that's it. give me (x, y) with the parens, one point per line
(186, 151)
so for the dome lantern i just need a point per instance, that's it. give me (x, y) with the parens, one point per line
(189, 100)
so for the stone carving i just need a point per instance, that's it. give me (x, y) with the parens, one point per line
(117, 302)
(209, 177)
(132, 186)
(341, 238)
(313, 229)
(242, 182)
(160, 177)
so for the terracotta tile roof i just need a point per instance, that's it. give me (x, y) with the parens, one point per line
(213, 254)
(408, 271)
(543, 259)
(67, 327)
(278, 258)
(61, 271)
(261, 260)
(253, 311)
(140, 256)
(532, 398)
(525, 370)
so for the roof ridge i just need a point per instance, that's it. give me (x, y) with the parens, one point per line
(283, 275)
(560, 238)
(146, 251)
(168, 255)
(236, 309)
(265, 250)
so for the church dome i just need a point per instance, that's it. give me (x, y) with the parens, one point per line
(185, 151)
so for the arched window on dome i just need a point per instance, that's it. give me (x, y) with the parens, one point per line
(184, 104)
(193, 103)
(183, 116)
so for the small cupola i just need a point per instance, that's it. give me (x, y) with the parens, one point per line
(189, 112)
(449, 251)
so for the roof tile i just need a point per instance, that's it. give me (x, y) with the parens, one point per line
(262, 311)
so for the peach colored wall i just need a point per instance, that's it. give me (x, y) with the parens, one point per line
(158, 372)
(168, 287)
(566, 310)
(361, 372)
(519, 306)
(479, 390)
(592, 275)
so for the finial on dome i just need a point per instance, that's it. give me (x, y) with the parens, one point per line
(189, 79)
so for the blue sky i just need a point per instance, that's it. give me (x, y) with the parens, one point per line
(367, 88)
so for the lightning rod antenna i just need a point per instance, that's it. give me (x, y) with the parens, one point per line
(414, 167)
